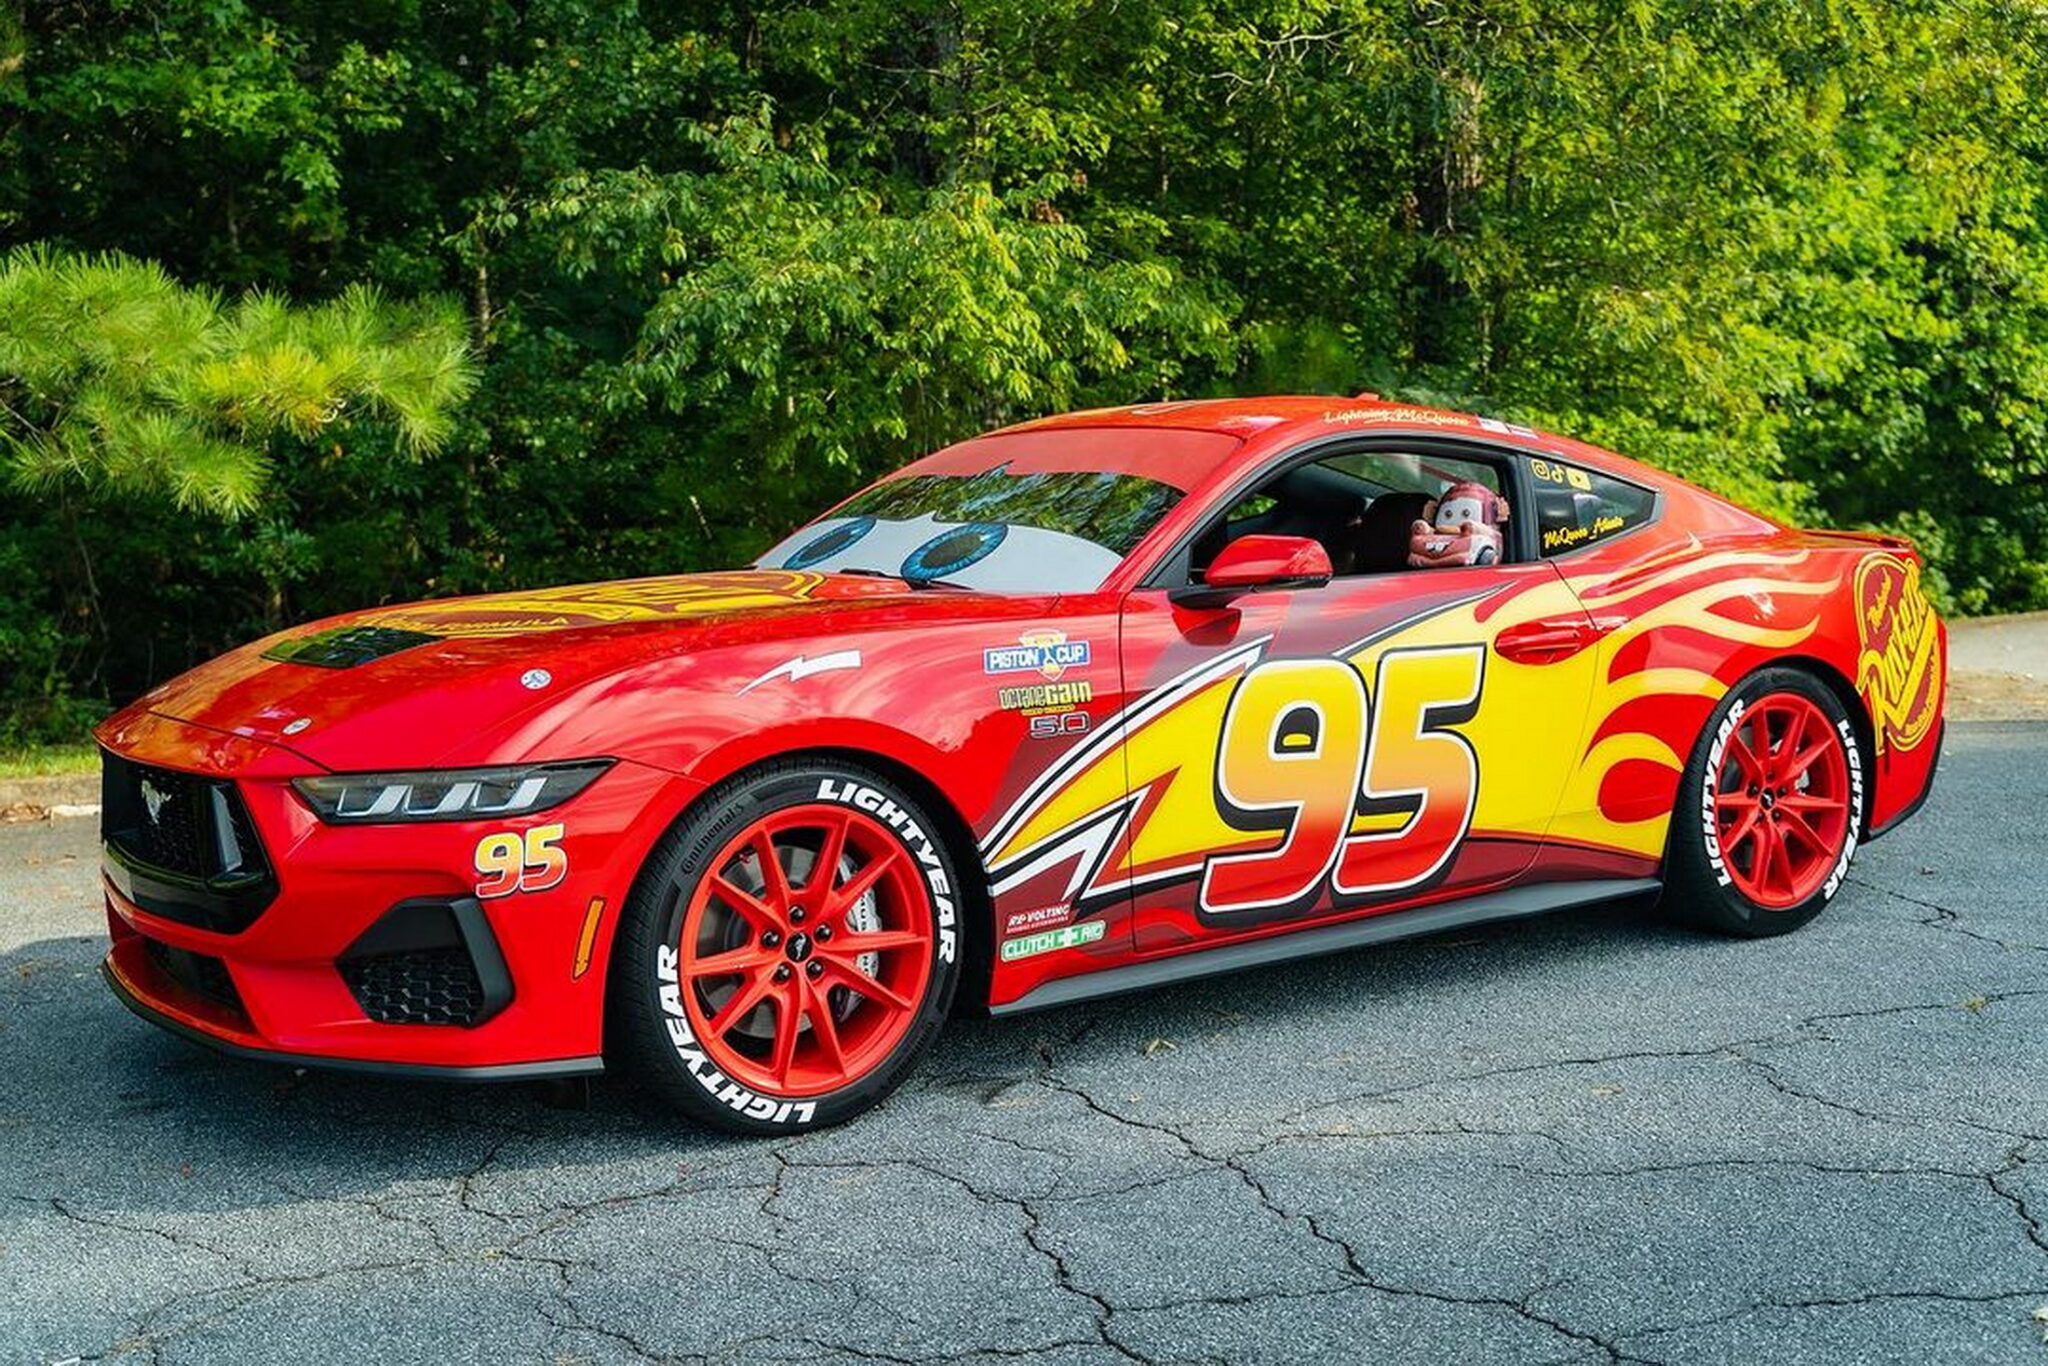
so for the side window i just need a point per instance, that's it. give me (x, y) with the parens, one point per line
(1363, 506)
(1576, 506)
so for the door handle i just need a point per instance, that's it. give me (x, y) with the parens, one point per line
(1548, 639)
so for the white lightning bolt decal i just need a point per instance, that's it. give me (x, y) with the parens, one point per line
(804, 667)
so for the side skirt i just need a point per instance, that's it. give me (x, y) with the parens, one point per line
(1511, 904)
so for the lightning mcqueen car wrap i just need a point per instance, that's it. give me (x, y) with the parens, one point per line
(1094, 703)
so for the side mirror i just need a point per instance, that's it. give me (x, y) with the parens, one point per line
(1250, 563)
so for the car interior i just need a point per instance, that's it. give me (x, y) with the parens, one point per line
(1360, 506)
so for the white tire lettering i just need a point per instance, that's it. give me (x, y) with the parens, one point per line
(668, 964)
(1710, 825)
(1841, 869)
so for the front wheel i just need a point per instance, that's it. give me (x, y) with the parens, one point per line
(1769, 808)
(790, 950)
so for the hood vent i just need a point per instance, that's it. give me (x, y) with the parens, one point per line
(344, 647)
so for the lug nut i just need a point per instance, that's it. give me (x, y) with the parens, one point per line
(814, 969)
(824, 933)
(796, 915)
(782, 972)
(770, 939)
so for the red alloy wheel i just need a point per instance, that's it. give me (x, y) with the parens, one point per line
(1782, 800)
(806, 950)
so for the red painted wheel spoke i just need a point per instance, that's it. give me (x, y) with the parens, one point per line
(1733, 803)
(849, 975)
(1806, 801)
(1766, 745)
(1742, 830)
(1744, 757)
(774, 882)
(1763, 860)
(852, 945)
(751, 908)
(1805, 760)
(825, 1028)
(742, 1004)
(1791, 861)
(826, 870)
(1781, 857)
(865, 877)
(1797, 754)
(1793, 824)
(732, 963)
(1791, 727)
(788, 1018)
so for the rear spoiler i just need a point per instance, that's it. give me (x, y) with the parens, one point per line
(1875, 540)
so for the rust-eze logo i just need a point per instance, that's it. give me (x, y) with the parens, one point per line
(600, 604)
(1899, 668)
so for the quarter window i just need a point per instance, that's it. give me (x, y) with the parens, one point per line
(1576, 506)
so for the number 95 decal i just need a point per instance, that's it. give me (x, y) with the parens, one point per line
(508, 862)
(1305, 751)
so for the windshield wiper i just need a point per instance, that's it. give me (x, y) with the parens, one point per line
(906, 579)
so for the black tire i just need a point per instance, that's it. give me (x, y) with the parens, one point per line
(1702, 884)
(650, 1031)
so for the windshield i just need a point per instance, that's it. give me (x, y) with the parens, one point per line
(1045, 532)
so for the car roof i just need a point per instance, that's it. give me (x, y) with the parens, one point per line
(1288, 418)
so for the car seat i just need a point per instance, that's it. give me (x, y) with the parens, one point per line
(1380, 541)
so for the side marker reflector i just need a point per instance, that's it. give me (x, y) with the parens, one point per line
(589, 938)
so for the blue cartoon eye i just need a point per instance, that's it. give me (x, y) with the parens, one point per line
(951, 551)
(831, 543)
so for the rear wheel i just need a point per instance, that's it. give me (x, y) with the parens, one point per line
(1769, 809)
(790, 950)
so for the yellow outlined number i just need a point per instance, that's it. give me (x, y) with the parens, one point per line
(509, 862)
(1304, 751)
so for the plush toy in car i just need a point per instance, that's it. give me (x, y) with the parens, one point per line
(1462, 527)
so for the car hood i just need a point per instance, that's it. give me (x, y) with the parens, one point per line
(416, 680)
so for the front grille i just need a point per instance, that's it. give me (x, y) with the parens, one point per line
(428, 962)
(203, 976)
(425, 986)
(159, 816)
(182, 846)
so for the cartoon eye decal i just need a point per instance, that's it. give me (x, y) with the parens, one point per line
(824, 547)
(953, 550)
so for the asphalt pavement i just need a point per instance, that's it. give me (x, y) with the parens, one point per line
(1588, 1138)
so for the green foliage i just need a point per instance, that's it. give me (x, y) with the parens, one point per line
(821, 322)
(116, 380)
(721, 265)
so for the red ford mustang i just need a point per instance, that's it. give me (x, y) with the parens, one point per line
(1090, 704)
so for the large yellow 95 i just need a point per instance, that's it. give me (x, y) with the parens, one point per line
(508, 862)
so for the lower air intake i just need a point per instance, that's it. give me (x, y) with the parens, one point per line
(429, 962)
(425, 986)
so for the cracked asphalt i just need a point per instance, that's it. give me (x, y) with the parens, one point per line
(1585, 1138)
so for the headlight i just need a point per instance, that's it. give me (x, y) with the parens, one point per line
(456, 794)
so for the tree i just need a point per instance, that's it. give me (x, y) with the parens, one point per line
(117, 380)
(723, 263)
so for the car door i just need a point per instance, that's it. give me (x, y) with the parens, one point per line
(1393, 736)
